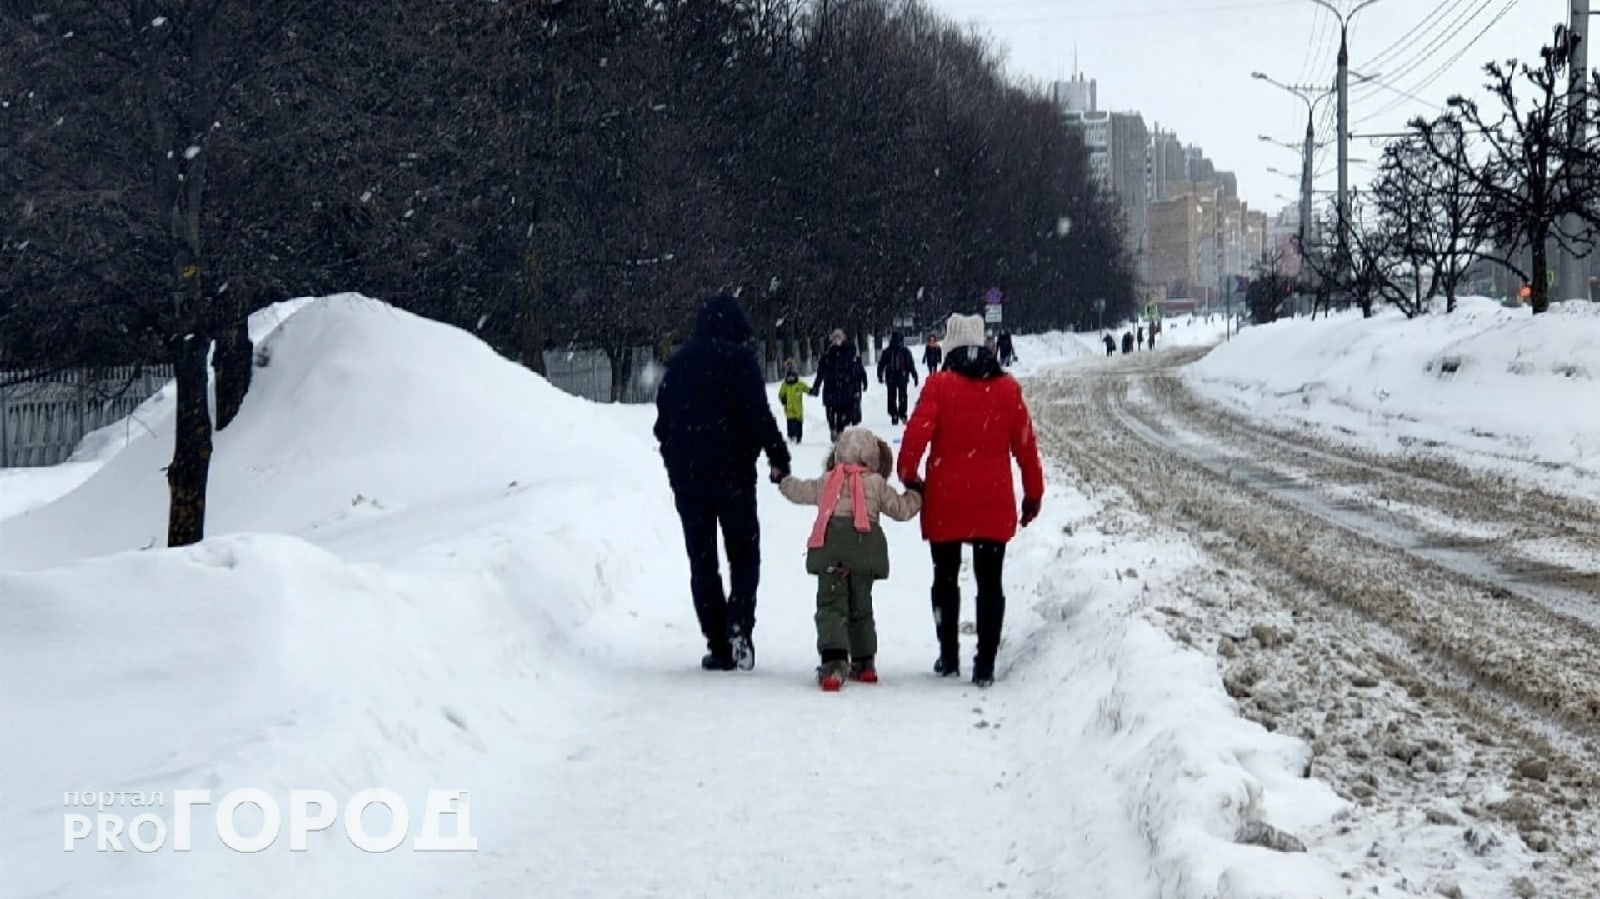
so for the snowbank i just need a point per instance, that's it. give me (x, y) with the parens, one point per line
(1136, 734)
(1487, 384)
(442, 525)
(361, 410)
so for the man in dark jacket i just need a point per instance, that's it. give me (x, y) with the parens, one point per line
(895, 367)
(713, 421)
(841, 379)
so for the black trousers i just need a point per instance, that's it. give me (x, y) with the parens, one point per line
(839, 418)
(734, 511)
(898, 398)
(797, 428)
(988, 563)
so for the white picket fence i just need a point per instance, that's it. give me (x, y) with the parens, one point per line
(43, 419)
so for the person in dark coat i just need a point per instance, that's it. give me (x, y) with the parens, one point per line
(895, 367)
(1111, 345)
(841, 379)
(1005, 350)
(713, 421)
(1127, 342)
(932, 354)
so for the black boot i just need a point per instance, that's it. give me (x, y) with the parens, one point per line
(712, 661)
(742, 645)
(982, 671)
(991, 620)
(947, 627)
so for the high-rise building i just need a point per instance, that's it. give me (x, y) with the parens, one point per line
(1077, 95)
(1130, 150)
(1167, 164)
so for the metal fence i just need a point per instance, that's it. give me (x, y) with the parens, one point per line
(43, 419)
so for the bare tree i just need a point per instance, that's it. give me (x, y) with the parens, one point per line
(1527, 182)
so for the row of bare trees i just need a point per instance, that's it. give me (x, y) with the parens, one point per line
(1476, 185)
(542, 172)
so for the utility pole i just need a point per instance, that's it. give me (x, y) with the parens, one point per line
(1574, 270)
(1342, 85)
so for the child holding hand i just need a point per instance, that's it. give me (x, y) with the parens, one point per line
(848, 551)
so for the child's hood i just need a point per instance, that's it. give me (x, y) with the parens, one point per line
(859, 446)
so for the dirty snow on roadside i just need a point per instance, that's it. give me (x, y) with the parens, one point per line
(1460, 784)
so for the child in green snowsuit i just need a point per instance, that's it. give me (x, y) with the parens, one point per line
(848, 551)
(792, 394)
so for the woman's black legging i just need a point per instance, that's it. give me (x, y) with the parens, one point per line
(988, 563)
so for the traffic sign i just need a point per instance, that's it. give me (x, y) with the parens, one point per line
(992, 296)
(991, 314)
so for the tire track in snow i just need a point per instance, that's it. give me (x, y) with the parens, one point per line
(1493, 669)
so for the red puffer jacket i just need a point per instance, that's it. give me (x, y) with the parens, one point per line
(971, 425)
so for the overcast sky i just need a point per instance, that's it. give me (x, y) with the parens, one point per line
(1186, 64)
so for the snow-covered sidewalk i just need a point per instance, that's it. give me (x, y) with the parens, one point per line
(429, 569)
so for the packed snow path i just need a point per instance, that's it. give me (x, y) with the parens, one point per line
(1431, 631)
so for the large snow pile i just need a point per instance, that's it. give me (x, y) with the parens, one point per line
(1037, 352)
(444, 523)
(430, 569)
(1488, 384)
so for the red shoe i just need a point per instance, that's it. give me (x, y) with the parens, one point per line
(862, 670)
(831, 675)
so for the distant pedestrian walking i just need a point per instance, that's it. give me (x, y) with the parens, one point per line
(932, 354)
(713, 421)
(895, 368)
(1005, 349)
(1127, 342)
(1141, 337)
(1111, 345)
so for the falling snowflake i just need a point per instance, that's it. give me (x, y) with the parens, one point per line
(158, 21)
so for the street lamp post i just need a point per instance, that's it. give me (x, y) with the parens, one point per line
(1343, 86)
(1310, 96)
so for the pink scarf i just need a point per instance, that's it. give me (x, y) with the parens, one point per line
(832, 490)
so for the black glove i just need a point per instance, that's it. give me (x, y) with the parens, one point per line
(915, 485)
(778, 473)
(813, 391)
(1030, 511)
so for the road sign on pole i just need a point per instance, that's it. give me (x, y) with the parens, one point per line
(992, 296)
(991, 314)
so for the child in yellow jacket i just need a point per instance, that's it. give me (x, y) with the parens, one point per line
(792, 394)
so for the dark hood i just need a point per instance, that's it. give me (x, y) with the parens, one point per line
(721, 318)
(973, 362)
(896, 340)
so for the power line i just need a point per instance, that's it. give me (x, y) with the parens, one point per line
(1439, 72)
(1439, 15)
(1438, 44)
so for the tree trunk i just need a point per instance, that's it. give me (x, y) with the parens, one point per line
(533, 312)
(621, 359)
(233, 362)
(1540, 285)
(191, 451)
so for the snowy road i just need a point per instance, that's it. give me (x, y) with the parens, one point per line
(1432, 632)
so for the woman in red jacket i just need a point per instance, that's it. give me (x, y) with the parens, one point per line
(971, 421)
